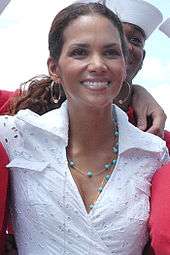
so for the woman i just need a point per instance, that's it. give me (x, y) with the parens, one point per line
(74, 190)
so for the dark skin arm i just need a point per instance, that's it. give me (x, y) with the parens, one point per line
(149, 115)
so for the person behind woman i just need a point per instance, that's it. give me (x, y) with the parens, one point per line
(135, 16)
(74, 190)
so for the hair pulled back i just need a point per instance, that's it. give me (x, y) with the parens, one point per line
(35, 94)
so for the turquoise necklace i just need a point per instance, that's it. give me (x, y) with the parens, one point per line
(107, 167)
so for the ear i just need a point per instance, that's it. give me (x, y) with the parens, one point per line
(144, 53)
(53, 70)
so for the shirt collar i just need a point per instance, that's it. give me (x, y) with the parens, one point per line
(56, 122)
(130, 137)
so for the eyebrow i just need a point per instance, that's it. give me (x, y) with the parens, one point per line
(86, 45)
(110, 45)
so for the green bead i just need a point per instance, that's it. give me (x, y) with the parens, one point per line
(89, 173)
(91, 206)
(107, 177)
(115, 150)
(116, 133)
(107, 166)
(100, 189)
(114, 161)
(71, 163)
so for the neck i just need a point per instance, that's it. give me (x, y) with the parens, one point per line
(91, 129)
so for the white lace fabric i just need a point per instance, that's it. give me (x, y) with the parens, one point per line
(48, 213)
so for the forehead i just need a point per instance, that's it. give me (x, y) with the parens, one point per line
(131, 28)
(90, 27)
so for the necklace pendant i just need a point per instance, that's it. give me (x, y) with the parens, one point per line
(91, 206)
(71, 163)
(89, 174)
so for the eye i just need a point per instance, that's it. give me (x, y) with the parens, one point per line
(79, 53)
(112, 53)
(136, 41)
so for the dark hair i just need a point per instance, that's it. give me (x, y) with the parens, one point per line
(37, 96)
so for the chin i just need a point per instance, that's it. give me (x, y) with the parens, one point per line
(100, 104)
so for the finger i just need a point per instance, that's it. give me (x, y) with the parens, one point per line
(159, 132)
(141, 121)
(157, 127)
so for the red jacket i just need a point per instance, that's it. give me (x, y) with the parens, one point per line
(4, 177)
(159, 222)
(5, 97)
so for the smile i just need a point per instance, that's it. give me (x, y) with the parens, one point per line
(96, 84)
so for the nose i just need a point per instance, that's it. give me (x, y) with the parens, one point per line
(130, 52)
(97, 64)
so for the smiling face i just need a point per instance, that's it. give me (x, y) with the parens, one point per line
(136, 40)
(91, 66)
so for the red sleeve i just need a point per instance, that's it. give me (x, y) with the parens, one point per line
(5, 98)
(167, 139)
(131, 115)
(159, 222)
(4, 176)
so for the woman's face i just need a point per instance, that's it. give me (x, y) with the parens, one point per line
(136, 40)
(91, 66)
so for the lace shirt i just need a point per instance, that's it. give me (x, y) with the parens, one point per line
(48, 213)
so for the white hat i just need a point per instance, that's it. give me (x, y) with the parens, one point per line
(137, 12)
(165, 27)
(3, 4)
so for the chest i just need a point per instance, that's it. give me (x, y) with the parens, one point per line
(49, 201)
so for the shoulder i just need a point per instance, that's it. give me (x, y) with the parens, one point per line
(161, 179)
(133, 138)
(9, 134)
(6, 124)
(5, 94)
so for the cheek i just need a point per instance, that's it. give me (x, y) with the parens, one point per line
(138, 53)
(70, 71)
(119, 76)
(121, 71)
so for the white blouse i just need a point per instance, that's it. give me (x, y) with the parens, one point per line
(48, 213)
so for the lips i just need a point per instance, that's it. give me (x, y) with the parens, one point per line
(96, 84)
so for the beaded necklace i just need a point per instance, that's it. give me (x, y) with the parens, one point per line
(107, 166)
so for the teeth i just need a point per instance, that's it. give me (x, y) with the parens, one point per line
(95, 84)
